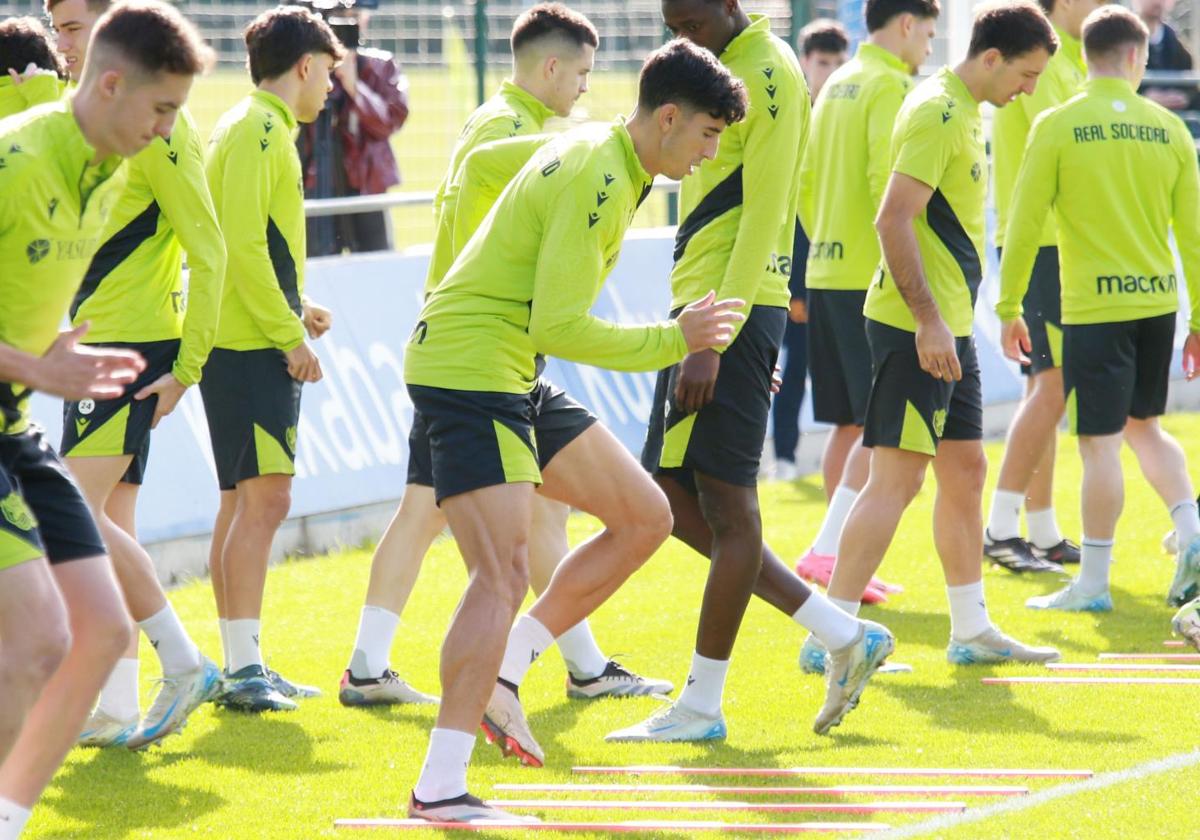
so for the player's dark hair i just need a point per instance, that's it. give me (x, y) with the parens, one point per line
(1015, 28)
(552, 19)
(24, 41)
(1112, 28)
(824, 35)
(279, 37)
(153, 36)
(97, 7)
(682, 73)
(880, 13)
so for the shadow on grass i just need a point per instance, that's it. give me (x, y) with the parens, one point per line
(266, 744)
(87, 791)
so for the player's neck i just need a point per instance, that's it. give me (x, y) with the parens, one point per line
(973, 75)
(89, 113)
(741, 20)
(286, 88)
(1059, 18)
(887, 39)
(642, 132)
(529, 85)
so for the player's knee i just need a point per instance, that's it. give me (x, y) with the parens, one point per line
(650, 522)
(36, 655)
(518, 581)
(973, 471)
(730, 515)
(269, 507)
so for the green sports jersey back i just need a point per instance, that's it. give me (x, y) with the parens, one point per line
(1119, 171)
(846, 166)
(511, 112)
(1062, 78)
(739, 210)
(133, 290)
(939, 141)
(254, 176)
(526, 281)
(53, 207)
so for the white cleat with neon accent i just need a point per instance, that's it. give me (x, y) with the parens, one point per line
(1186, 585)
(1071, 599)
(848, 671)
(104, 730)
(1186, 623)
(991, 647)
(616, 681)
(461, 809)
(674, 722)
(177, 698)
(505, 726)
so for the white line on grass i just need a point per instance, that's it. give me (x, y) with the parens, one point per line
(1022, 803)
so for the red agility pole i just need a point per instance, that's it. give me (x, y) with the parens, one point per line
(965, 772)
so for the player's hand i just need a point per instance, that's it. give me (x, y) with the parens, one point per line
(1175, 100)
(317, 319)
(777, 380)
(76, 372)
(709, 322)
(31, 70)
(1191, 356)
(798, 311)
(697, 380)
(1014, 340)
(169, 391)
(936, 351)
(303, 364)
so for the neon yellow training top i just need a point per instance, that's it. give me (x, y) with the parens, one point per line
(36, 90)
(133, 290)
(739, 209)
(511, 112)
(254, 177)
(1062, 79)
(846, 167)
(53, 207)
(939, 142)
(526, 282)
(1119, 171)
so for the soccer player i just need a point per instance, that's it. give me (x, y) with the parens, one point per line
(843, 176)
(524, 286)
(926, 405)
(553, 51)
(252, 381)
(30, 70)
(1027, 471)
(1113, 150)
(823, 45)
(133, 297)
(61, 615)
(709, 418)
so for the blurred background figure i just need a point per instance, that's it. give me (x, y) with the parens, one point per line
(823, 47)
(347, 151)
(1167, 53)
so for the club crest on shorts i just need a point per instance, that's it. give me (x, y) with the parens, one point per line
(14, 509)
(290, 437)
(939, 421)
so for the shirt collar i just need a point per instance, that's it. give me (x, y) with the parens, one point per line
(1109, 85)
(536, 108)
(759, 27)
(958, 88)
(874, 53)
(637, 172)
(276, 105)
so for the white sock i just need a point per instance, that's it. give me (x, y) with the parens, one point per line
(244, 647)
(176, 650)
(527, 641)
(119, 697)
(830, 624)
(705, 685)
(444, 774)
(1004, 522)
(372, 646)
(581, 653)
(850, 607)
(1094, 562)
(1043, 528)
(223, 625)
(12, 819)
(968, 611)
(1187, 521)
(835, 517)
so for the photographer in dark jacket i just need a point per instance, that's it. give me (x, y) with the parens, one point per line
(347, 151)
(1167, 52)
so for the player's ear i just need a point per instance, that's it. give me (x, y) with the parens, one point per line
(668, 115)
(304, 67)
(111, 81)
(550, 66)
